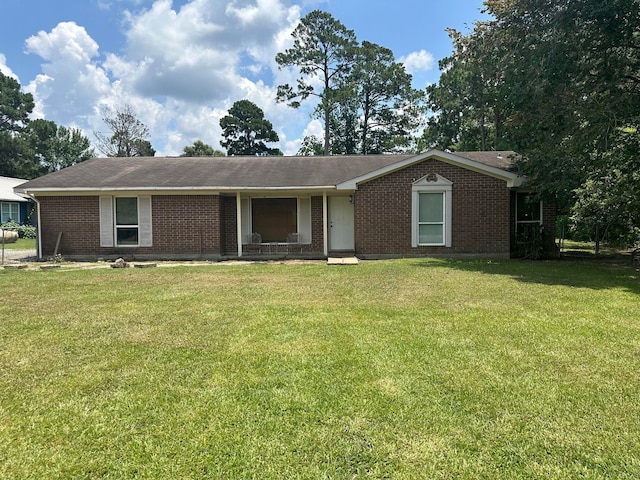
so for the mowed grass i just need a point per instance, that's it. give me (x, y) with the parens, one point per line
(21, 244)
(392, 369)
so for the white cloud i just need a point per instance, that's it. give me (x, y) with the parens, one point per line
(4, 68)
(418, 61)
(66, 40)
(180, 70)
(70, 83)
(196, 53)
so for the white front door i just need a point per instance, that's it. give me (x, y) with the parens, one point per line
(341, 219)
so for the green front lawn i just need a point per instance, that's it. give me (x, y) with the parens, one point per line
(21, 244)
(392, 369)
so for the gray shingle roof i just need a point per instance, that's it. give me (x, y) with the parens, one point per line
(211, 172)
(504, 160)
(220, 173)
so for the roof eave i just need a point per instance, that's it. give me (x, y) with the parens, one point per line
(203, 189)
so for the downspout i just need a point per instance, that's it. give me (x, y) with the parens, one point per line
(38, 227)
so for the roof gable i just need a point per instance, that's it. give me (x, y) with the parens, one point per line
(486, 163)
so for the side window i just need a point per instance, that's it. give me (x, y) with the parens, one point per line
(431, 218)
(126, 221)
(431, 211)
(127, 226)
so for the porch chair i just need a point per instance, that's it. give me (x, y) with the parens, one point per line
(254, 243)
(294, 241)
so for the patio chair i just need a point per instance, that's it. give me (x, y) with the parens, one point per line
(254, 243)
(293, 241)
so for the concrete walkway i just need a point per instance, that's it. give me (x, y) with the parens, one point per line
(17, 256)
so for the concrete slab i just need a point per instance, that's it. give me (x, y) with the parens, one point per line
(342, 261)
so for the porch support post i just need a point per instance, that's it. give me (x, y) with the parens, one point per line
(239, 223)
(325, 223)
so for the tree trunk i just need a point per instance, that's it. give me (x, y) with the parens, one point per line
(327, 133)
(327, 110)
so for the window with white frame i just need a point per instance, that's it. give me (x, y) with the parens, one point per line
(10, 211)
(125, 221)
(431, 211)
(126, 215)
(431, 218)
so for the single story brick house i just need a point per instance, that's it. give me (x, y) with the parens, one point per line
(431, 204)
(13, 207)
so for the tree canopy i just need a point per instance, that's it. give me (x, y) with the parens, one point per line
(246, 131)
(15, 108)
(559, 82)
(30, 148)
(389, 109)
(365, 97)
(323, 48)
(201, 149)
(55, 147)
(127, 137)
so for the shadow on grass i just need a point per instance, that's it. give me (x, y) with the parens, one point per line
(594, 273)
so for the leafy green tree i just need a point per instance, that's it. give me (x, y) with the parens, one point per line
(128, 135)
(54, 147)
(311, 145)
(324, 49)
(389, 108)
(246, 131)
(573, 72)
(468, 101)
(201, 149)
(15, 108)
(606, 204)
(559, 82)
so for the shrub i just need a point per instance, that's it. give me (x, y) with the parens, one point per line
(530, 243)
(24, 231)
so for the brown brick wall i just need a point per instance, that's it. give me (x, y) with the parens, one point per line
(317, 225)
(480, 213)
(78, 218)
(229, 245)
(186, 224)
(182, 225)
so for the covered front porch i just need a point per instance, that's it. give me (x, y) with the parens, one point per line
(291, 223)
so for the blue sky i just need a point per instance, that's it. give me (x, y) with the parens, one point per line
(181, 64)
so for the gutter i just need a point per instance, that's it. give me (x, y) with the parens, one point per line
(203, 189)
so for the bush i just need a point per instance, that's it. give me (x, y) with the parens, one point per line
(24, 231)
(530, 243)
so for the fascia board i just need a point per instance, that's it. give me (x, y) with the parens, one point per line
(170, 191)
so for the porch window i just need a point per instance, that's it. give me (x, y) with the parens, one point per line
(127, 228)
(528, 211)
(10, 211)
(274, 218)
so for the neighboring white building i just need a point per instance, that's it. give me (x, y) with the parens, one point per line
(12, 206)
